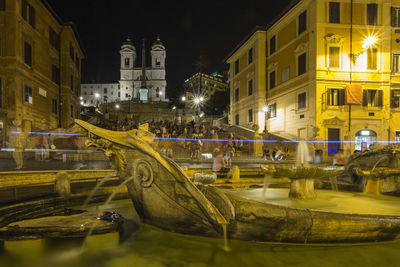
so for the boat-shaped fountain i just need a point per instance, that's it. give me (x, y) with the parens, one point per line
(165, 197)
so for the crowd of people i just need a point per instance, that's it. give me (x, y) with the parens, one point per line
(278, 152)
(192, 138)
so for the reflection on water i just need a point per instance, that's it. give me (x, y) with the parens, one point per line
(343, 202)
(153, 247)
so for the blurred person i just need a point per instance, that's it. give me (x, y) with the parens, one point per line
(17, 141)
(340, 158)
(219, 162)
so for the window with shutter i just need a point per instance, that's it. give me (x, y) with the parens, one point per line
(24, 9)
(32, 16)
(395, 16)
(302, 22)
(28, 54)
(301, 64)
(272, 45)
(334, 12)
(272, 80)
(395, 99)
(372, 58)
(396, 63)
(334, 57)
(2, 5)
(372, 98)
(250, 115)
(372, 14)
(335, 97)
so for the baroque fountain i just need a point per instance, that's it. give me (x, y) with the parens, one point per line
(163, 196)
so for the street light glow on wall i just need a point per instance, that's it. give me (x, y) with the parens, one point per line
(369, 41)
(265, 108)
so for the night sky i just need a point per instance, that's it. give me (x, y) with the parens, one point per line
(188, 29)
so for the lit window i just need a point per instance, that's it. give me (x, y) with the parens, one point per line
(28, 94)
(272, 111)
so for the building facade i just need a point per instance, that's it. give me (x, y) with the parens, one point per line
(248, 81)
(137, 82)
(333, 72)
(204, 87)
(40, 67)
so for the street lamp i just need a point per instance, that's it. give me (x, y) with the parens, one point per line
(369, 41)
(197, 100)
(183, 98)
(97, 95)
(117, 106)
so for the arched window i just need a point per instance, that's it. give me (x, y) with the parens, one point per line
(365, 138)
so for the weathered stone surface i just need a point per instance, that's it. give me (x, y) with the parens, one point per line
(164, 196)
(77, 225)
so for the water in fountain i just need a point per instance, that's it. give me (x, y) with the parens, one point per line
(98, 185)
(107, 202)
(226, 248)
(303, 154)
(267, 182)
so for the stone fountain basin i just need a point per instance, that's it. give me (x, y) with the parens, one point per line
(72, 226)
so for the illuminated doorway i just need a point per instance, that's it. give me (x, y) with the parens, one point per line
(365, 138)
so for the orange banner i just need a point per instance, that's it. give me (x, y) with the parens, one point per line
(354, 94)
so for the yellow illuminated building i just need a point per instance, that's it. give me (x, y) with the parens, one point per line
(247, 80)
(40, 70)
(318, 48)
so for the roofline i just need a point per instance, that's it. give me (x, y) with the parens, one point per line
(263, 28)
(74, 29)
(283, 12)
(247, 37)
